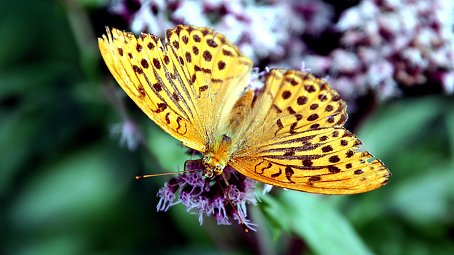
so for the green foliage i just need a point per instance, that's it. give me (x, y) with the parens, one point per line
(315, 219)
(415, 137)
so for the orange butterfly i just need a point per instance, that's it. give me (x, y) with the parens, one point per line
(195, 87)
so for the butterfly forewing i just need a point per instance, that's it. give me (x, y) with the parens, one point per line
(137, 65)
(217, 70)
(182, 83)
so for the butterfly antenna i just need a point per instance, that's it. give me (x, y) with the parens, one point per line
(245, 228)
(191, 163)
(140, 177)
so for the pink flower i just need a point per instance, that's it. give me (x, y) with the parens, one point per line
(210, 197)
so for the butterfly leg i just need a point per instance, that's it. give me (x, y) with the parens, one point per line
(225, 180)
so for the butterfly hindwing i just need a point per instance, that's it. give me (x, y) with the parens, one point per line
(319, 161)
(297, 151)
(303, 102)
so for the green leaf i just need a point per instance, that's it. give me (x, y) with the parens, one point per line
(275, 213)
(426, 199)
(188, 224)
(413, 136)
(394, 124)
(450, 127)
(30, 80)
(64, 243)
(315, 220)
(70, 190)
(93, 3)
(16, 131)
(169, 152)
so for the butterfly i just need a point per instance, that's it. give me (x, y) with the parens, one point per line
(194, 85)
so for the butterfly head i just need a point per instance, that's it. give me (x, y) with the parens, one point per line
(216, 158)
(212, 166)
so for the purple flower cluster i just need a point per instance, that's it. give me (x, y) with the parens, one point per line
(390, 43)
(223, 197)
(261, 29)
(384, 44)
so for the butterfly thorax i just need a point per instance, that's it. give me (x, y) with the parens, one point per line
(217, 157)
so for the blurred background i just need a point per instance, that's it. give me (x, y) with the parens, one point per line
(71, 142)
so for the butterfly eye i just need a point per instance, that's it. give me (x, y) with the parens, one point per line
(209, 174)
(206, 158)
(218, 169)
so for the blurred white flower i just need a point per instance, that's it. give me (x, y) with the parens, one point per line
(130, 135)
(345, 61)
(393, 42)
(380, 44)
(448, 80)
(261, 29)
